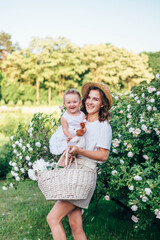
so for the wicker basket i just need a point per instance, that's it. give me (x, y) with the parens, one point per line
(66, 183)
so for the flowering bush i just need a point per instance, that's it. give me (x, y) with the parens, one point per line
(131, 175)
(30, 148)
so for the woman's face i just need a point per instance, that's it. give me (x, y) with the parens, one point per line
(93, 102)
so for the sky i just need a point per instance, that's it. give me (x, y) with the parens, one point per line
(130, 24)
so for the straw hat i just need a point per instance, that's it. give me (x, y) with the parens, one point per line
(101, 86)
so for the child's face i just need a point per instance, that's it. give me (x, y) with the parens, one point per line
(72, 103)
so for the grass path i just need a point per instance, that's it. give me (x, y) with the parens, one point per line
(23, 217)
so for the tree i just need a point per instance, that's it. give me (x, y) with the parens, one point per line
(154, 61)
(6, 45)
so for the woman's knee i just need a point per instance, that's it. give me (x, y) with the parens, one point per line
(75, 223)
(52, 220)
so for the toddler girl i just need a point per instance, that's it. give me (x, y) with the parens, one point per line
(70, 122)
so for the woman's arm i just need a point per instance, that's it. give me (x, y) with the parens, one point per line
(100, 155)
(65, 128)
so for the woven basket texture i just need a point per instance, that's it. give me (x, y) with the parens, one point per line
(66, 183)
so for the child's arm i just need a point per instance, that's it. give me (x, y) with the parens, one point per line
(65, 128)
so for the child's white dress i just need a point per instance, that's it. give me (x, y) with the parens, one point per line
(58, 141)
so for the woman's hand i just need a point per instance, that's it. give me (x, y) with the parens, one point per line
(73, 150)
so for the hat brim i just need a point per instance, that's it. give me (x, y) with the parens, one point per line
(101, 86)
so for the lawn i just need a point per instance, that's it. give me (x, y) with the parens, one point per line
(23, 217)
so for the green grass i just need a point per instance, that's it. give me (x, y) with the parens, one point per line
(23, 217)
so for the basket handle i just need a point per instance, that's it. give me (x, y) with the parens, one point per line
(66, 159)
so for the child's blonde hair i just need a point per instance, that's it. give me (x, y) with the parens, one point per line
(71, 91)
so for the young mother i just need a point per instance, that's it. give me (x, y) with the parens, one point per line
(97, 101)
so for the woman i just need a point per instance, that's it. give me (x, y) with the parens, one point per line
(97, 101)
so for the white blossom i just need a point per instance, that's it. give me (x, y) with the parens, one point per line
(17, 143)
(144, 127)
(144, 199)
(145, 157)
(121, 111)
(131, 188)
(137, 131)
(13, 145)
(30, 149)
(148, 191)
(40, 165)
(152, 100)
(156, 211)
(10, 163)
(121, 161)
(158, 93)
(22, 170)
(28, 158)
(157, 76)
(32, 175)
(143, 95)
(17, 179)
(14, 164)
(151, 119)
(52, 123)
(132, 95)
(115, 151)
(125, 143)
(11, 137)
(138, 101)
(11, 185)
(20, 145)
(137, 178)
(154, 109)
(158, 215)
(28, 145)
(116, 97)
(29, 164)
(31, 124)
(37, 144)
(116, 142)
(16, 168)
(134, 208)
(134, 219)
(149, 108)
(129, 145)
(114, 172)
(107, 198)
(129, 115)
(131, 130)
(4, 188)
(130, 154)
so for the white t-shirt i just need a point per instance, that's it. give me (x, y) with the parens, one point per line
(98, 135)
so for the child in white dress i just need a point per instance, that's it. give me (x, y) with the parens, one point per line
(70, 122)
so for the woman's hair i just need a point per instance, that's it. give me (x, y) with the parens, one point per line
(71, 91)
(104, 113)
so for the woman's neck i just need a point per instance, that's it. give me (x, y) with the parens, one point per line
(92, 118)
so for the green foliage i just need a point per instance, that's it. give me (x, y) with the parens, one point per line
(6, 154)
(154, 61)
(131, 174)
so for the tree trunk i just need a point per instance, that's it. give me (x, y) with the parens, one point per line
(49, 95)
(37, 90)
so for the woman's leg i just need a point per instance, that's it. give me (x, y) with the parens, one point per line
(58, 212)
(75, 221)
